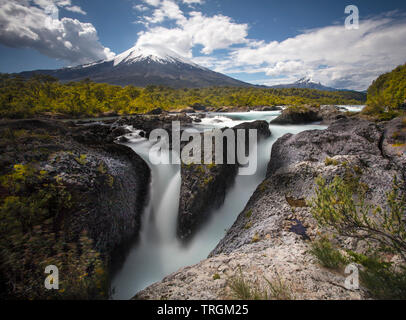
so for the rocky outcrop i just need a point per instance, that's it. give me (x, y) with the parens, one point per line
(269, 240)
(308, 114)
(107, 183)
(393, 143)
(296, 161)
(262, 128)
(330, 113)
(298, 115)
(147, 123)
(156, 111)
(204, 187)
(198, 107)
(344, 137)
(269, 108)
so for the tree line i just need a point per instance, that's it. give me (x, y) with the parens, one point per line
(389, 90)
(45, 95)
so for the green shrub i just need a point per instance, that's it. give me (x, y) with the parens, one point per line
(82, 159)
(326, 254)
(216, 276)
(256, 238)
(241, 289)
(331, 162)
(348, 214)
(382, 279)
(342, 207)
(276, 289)
(279, 290)
(248, 225)
(32, 206)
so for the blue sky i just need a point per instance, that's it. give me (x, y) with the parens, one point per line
(264, 42)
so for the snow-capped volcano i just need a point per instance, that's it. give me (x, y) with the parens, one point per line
(142, 66)
(306, 80)
(151, 53)
(305, 83)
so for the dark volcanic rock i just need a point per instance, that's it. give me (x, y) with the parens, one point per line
(298, 115)
(188, 110)
(261, 126)
(344, 137)
(271, 108)
(156, 111)
(330, 113)
(198, 107)
(108, 182)
(204, 187)
(278, 204)
(147, 123)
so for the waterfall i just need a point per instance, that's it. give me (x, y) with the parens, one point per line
(159, 253)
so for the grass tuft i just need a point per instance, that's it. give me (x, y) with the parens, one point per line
(326, 254)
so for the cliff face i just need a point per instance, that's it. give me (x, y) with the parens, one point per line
(204, 187)
(270, 239)
(104, 187)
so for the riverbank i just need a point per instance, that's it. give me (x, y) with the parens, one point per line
(271, 238)
(107, 186)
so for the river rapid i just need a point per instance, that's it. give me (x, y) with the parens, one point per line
(158, 252)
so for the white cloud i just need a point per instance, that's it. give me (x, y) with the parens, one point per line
(76, 9)
(175, 39)
(51, 6)
(35, 24)
(333, 55)
(140, 7)
(153, 3)
(167, 10)
(191, 3)
(217, 32)
(212, 33)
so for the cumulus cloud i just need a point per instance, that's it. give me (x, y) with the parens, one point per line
(76, 9)
(333, 55)
(153, 3)
(175, 39)
(51, 6)
(140, 7)
(167, 10)
(35, 24)
(212, 33)
(217, 32)
(191, 3)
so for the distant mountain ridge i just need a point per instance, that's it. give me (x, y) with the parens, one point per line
(143, 66)
(305, 83)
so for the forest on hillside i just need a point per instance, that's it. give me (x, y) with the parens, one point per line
(388, 90)
(44, 95)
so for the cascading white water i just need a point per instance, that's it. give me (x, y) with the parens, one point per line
(159, 253)
(158, 225)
